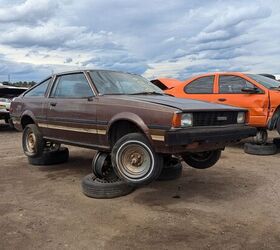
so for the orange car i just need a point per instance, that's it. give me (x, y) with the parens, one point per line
(257, 93)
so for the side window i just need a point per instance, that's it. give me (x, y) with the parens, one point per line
(40, 90)
(233, 84)
(203, 85)
(72, 86)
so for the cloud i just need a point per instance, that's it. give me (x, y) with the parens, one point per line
(233, 16)
(154, 38)
(118, 61)
(30, 11)
(53, 36)
(68, 60)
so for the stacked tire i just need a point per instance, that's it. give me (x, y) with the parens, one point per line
(260, 146)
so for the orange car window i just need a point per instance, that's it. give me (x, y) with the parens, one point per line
(203, 85)
(233, 84)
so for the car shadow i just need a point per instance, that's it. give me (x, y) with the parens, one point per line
(5, 127)
(199, 185)
(76, 167)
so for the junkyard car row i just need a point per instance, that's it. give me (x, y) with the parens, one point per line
(137, 128)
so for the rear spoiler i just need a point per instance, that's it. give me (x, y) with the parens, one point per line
(166, 83)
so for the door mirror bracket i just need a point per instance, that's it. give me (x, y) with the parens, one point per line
(249, 90)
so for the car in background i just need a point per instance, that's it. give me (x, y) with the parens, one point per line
(4, 109)
(257, 93)
(269, 76)
(7, 93)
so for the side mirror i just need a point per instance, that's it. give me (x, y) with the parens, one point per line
(249, 90)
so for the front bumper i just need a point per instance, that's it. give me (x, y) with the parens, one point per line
(217, 134)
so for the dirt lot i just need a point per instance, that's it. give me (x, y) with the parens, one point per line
(234, 205)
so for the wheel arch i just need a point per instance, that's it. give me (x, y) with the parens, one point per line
(273, 121)
(125, 123)
(27, 118)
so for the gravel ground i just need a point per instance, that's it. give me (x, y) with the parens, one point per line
(234, 205)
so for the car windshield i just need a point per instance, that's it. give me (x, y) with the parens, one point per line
(118, 83)
(265, 81)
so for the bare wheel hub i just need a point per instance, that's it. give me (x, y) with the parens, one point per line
(136, 159)
(31, 142)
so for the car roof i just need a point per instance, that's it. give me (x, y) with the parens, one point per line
(87, 70)
(215, 73)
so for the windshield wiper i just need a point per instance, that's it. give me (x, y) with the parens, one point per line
(147, 93)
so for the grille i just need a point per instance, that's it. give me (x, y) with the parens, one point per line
(214, 118)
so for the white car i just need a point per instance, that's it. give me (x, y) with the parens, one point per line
(5, 109)
(7, 93)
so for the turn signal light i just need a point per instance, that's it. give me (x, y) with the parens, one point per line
(176, 120)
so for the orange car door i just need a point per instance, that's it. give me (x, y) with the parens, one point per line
(230, 92)
(201, 88)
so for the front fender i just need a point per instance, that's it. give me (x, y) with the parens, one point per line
(131, 117)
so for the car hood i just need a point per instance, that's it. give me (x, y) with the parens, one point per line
(183, 104)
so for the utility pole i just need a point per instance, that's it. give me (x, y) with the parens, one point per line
(9, 78)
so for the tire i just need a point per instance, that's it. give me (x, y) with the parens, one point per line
(102, 166)
(202, 160)
(276, 141)
(261, 137)
(255, 149)
(172, 169)
(50, 157)
(278, 125)
(33, 143)
(135, 161)
(105, 188)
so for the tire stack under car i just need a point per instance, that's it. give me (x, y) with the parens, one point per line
(103, 182)
(269, 148)
(108, 179)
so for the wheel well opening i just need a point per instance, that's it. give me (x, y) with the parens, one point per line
(26, 120)
(121, 128)
(272, 124)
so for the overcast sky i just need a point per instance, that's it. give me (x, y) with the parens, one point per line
(176, 38)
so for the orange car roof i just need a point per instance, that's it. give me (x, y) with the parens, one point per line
(213, 73)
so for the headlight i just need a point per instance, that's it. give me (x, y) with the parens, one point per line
(241, 117)
(187, 120)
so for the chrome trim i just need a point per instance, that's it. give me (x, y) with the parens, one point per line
(74, 129)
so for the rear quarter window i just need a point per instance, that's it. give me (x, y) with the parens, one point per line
(203, 85)
(40, 90)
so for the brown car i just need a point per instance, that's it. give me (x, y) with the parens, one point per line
(128, 116)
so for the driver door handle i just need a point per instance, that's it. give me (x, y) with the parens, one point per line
(222, 99)
(53, 104)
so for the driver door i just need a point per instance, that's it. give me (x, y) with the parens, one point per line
(230, 92)
(71, 111)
